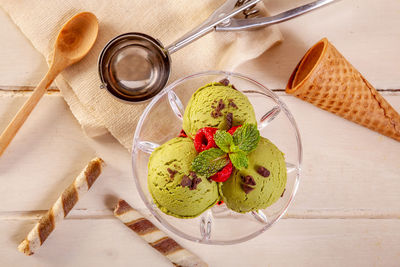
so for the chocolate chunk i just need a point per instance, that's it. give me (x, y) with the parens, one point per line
(186, 181)
(221, 105)
(171, 172)
(216, 114)
(247, 189)
(249, 180)
(232, 104)
(284, 190)
(229, 120)
(217, 110)
(195, 182)
(263, 171)
(224, 82)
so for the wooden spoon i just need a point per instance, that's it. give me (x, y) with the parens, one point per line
(74, 41)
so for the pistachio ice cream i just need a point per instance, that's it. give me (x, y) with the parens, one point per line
(211, 105)
(267, 169)
(168, 166)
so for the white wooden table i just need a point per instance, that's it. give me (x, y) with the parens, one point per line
(346, 212)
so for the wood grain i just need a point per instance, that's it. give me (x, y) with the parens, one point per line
(27, 89)
(291, 242)
(20, 117)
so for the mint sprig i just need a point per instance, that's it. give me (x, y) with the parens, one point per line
(223, 140)
(209, 162)
(239, 160)
(236, 147)
(246, 137)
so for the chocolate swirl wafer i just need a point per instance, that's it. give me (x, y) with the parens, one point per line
(178, 255)
(61, 207)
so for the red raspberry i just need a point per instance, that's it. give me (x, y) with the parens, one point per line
(223, 174)
(233, 129)
(182, 134)
(204, 139)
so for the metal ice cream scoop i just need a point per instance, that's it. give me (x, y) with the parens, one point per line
(134, 67)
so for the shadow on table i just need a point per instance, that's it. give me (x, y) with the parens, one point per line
(274, 67)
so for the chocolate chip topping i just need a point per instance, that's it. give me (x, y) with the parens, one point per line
(171, 172)
(191, 183)
(217, 110)
(263, 171)
(248, 180)
(224, 82)
(247, 189)
(221, 105)
(229, 120)
(186, 181)
(232, 104)
(195, 182)
(284, 190)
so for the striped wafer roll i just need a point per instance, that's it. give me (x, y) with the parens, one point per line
(61, 207)
(178, 255)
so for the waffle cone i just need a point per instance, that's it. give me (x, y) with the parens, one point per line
(327, 80)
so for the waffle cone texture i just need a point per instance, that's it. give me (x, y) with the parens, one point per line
(327, 80)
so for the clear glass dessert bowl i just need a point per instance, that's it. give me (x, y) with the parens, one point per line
(162, 121)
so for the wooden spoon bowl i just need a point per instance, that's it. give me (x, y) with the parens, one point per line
(76, 37)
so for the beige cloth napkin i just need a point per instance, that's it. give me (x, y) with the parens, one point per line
(96, 110)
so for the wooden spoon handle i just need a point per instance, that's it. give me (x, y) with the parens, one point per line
(19, 119)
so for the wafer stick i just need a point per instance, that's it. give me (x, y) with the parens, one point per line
(61, 207)
(178, 255)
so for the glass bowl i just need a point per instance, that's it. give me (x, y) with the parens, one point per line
(162, 120)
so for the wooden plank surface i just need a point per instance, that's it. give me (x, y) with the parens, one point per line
(346, 211)
(292, 242)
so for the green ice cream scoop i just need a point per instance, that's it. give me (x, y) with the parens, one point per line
(168, 164)
(267, 190)
(210, 105)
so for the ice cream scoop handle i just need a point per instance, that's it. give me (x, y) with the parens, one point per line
(223, 13)
(250, 23)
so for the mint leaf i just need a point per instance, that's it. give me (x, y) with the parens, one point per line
(239, 160)
(246, 137)
(209, 162)
(234, 148)
(223, 140)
